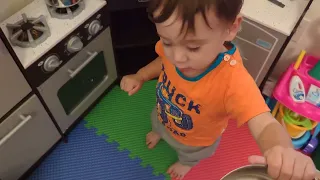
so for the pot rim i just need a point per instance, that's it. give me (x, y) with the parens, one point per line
(243, 167)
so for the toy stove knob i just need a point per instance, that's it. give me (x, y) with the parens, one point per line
(51, 63)
(94, 27)
(74, 44)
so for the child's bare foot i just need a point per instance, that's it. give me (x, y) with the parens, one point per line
(152, 139)
(178, 171)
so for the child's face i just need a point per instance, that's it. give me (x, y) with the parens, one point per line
(192, 53)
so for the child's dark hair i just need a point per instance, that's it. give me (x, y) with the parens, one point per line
(226, 10)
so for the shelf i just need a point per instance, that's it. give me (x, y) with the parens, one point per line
(132, 28)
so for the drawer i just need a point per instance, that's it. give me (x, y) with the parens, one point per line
(254, 57)
(14, 86)
(115, 5)
(25, 136)
(256, 35)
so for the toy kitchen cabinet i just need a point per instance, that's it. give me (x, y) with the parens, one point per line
(134, 38)
(258, 46)
(264, 30)
(26, 130)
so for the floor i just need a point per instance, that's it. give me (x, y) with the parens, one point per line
(109, 144)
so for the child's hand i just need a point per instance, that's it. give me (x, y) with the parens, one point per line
(286, 164)
(131, 83)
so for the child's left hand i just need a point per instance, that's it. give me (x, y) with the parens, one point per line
(286, 164)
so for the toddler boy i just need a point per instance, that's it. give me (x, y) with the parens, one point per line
(203, 84)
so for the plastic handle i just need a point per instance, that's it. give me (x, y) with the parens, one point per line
(83, 65)
(24, 120)
(299, 60)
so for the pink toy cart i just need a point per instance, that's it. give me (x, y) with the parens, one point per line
(310, 108)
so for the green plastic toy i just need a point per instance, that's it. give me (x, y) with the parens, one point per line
(315, 71)
(293, 118)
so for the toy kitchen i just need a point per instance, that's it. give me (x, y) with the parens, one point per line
(65, 53)
(60, 59)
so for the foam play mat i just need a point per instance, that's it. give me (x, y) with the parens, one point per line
(110, 144)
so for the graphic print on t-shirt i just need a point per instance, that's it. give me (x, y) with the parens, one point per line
(170, 105)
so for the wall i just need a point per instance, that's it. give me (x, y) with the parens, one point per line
(9, 7)
(309, 40)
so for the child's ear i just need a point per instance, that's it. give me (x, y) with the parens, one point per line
(234, 28)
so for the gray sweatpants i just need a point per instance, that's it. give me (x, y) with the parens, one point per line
(188, 155)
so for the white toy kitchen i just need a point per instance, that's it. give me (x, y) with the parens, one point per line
(57, 60)
(66, 55)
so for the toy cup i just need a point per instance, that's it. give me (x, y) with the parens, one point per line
(294, 130)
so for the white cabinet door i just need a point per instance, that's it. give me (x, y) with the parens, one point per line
(13, 86)
(25, 136)
(253, 56)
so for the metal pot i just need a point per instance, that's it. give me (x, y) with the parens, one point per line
(62, 3)
(253, 172)
(250, 172)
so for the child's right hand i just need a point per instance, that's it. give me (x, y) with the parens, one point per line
(131, 83)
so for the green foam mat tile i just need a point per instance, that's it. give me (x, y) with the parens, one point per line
(126, 120)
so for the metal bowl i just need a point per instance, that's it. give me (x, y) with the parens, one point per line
(250, 172)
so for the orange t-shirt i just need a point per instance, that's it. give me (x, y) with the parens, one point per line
(195, 111)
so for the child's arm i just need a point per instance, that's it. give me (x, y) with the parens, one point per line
(245, 103)
(283, 161)
(151, 71)
(268, 132)
(132, 83)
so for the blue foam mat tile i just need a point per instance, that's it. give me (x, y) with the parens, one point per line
(88, 156)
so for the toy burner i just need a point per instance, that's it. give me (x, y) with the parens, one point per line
(29, 32)
(68, 12)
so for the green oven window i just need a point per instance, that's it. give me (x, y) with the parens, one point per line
(76, 89)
